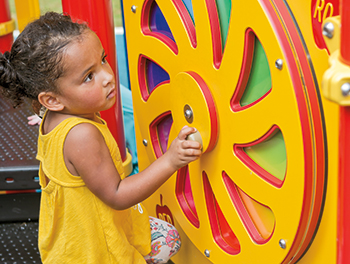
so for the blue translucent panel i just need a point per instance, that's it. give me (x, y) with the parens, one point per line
(188, 5)
(158, 23)
(155, 75)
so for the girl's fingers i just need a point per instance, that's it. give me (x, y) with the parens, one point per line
(189, 144)
(185, 131)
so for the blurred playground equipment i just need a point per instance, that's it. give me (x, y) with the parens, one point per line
(266, 83)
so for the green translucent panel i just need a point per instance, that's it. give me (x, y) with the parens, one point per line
(270, 155)
(259, 82)
(224, 13)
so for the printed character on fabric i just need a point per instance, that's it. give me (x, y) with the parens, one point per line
(165, 241)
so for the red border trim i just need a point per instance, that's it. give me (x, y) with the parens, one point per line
(211, 108)
(221, 231)
(242, 211)
(147, 31)
(313, 201)
(154, 133)
(215, 31)
(142, 77)
(187, 20)
(182, 199)
(245, 73)
(343, 230)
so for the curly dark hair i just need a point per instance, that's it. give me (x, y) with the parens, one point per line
(34, 63)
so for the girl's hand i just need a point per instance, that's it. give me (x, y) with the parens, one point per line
(182, 151)
(34, 120)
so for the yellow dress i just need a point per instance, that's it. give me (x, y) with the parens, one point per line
(74, 225)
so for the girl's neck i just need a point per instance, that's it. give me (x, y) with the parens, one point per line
(53, 119)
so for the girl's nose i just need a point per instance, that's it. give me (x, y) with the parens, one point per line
(108, 77)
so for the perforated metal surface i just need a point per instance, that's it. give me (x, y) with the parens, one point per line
(18, 139)
(18, 166)
(18, 243)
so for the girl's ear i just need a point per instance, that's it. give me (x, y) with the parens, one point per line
(50, 101)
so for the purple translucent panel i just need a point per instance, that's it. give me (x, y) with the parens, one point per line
(155, 75)
(158, 22)
(163, 132)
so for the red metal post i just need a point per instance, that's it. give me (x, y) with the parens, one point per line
(343, 254)
(99, 15)
(345, 32)
(5, 16)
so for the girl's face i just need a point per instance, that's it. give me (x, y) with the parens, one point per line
(88, 84)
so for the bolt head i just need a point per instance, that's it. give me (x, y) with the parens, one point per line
(282, 243)
(328, 30)
(207, 253)
(145, 142)
(279, 64)
(345, 89)
(133, 9)
(188, 113)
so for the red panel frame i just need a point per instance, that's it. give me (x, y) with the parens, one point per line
(242, 211)
(216, 32)
(5, 16)
(185, 199)
(154, 134)
(186, 19)
(143, 80)
(343, 231)
(221, 231)
(314, 163)
(245, 73)
(146, 30)
(99, 16)
(211, 109)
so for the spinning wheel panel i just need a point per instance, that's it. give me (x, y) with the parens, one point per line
(260, 181)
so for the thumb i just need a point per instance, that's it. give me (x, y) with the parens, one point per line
(185, 131)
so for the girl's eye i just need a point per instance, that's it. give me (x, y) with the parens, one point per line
(88, 78)
(104, 59)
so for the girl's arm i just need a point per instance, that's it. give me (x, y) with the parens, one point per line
(87, 155)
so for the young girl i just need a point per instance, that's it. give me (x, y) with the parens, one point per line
(90, 213)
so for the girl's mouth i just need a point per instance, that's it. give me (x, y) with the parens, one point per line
(112, 93)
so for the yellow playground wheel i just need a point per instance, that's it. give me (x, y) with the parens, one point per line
(240, 72)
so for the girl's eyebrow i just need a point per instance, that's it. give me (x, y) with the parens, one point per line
(88, 69)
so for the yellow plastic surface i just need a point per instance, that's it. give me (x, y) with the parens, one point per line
(127, 164)
(7, 27)
(338, 72)
(279, 107)
(27, 10)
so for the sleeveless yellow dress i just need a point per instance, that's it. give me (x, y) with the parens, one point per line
(75, 226)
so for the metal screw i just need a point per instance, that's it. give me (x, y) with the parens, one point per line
(133, 9)
(345, 89)
(282, 243)
(328, 30)
(207, 253)
(145, 142)
(188, 112)
(279, 64)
